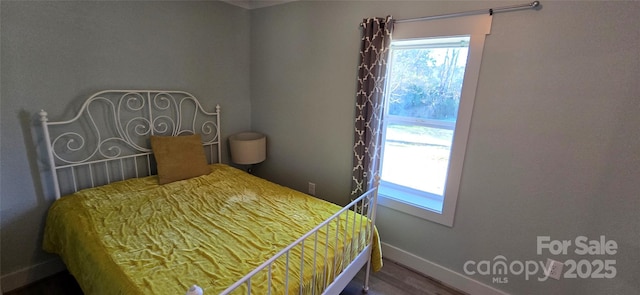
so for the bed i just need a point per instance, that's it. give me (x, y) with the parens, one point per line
(145, 206)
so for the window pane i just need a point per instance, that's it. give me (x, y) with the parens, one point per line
(417, 157)
(424, 90)
(426, 83)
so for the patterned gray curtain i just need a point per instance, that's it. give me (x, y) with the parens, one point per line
(374, 51)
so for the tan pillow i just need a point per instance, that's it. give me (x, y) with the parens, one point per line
(179, 157)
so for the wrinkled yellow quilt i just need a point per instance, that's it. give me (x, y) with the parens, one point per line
(138, 237)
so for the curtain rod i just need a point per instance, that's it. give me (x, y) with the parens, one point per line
(491, 11)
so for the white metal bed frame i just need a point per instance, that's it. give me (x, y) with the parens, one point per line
(120, 123)
(108, 140)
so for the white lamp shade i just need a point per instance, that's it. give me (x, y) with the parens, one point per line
(248, 148)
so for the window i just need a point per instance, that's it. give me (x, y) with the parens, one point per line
(422, 102)
(429, 97)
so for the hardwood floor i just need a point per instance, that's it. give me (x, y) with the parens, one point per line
(393, 279)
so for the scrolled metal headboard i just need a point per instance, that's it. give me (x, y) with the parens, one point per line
(108, 139)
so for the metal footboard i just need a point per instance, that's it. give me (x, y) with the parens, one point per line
(356, 220)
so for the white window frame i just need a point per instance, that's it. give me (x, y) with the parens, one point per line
(423, 204)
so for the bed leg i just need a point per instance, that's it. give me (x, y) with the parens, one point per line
(365, 288)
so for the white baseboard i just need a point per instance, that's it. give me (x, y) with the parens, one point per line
(28, 275)
(438, 272)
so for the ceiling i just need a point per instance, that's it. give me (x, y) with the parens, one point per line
(252, 4)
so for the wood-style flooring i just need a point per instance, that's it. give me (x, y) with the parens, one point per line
(393, 279)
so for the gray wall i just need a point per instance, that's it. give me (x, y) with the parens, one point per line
(553, 148)
(55, 54)
(554, 142)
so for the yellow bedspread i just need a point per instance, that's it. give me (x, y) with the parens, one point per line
(137, 237)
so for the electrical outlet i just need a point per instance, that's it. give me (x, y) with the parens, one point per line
(312, 188)
(554, 268)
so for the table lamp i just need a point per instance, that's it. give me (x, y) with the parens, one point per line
(248, 148)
